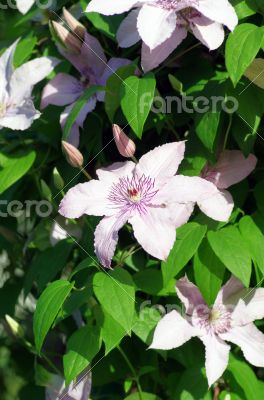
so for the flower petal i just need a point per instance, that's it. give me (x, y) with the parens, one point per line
(219, 206)
(93, 55)
(231, 168)
(172, 331)
(150, 227)
(28, 75)
(151, 59)
(106, 237)
(6, 67)
(163, 21)
(189, 294)
(233, 287)
(211, 34)
(180, 213)
(127, 34)
(63, 89)
(163, 161)
(85, 198)
(219, 11)
(24, 5)
(216, 357)
(251, 341)
(20, 117)
(115, 171)
(111, 7)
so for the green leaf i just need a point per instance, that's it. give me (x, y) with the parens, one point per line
(112, 332)
(145, 322)
(151, 281)
(207, 128)
(136, 100)
(230, 247)
(116, 293)
(113, 87)
(254, 239)
(24, 50)
(208, 271)
(144, 396)
(188, 240)
(255, 72)
(242, 46)
(176, 84)
(82, 346)
(246, 379)
(47, 264)
(48, 307)
(103, 23)
(13, 167)
(192, 385)
(78, 105)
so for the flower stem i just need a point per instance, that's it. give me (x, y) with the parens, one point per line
(134, 159)
(132, 369)
(88, 176)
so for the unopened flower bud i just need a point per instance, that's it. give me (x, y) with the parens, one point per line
(72, 154)
(74, 24)
(15, 328)
(68, 39)
(126, 146)
(57, 179)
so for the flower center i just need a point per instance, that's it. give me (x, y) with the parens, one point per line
(133, 193)
(217, 320)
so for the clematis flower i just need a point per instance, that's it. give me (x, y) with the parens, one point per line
(86, 54)
(79, 390)
(17, 110)
(230, 319)
(148, 196)
(62, 229)
(171, 19)
(231, 168)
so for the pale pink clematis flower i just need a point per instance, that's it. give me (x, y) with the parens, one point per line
(78, 390)
(231, 318)
(17, 110)
(163, 24)
(148, 195)
(90, 61)
(231, 168)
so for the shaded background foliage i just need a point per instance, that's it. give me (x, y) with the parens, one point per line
(206, 250)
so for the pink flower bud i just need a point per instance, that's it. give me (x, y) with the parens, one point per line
(69, 40)
(74, 24)
(126, 146)
(72, 154)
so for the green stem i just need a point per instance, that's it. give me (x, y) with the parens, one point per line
(132, 369)
(88, 176)
(228, 130)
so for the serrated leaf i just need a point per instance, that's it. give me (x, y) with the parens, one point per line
(48, 307)
(136, 100)
(82, 346)
(116, 293)
(230, 247)
(242, 46)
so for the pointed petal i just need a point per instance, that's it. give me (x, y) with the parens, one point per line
(190, 295)
(151, 59)
(231, 168)
(85, 198)
(233, 287)
(21, 117)
(115, 171)
(29, 74)
(163, 161)
(163, 20)
(6, 67)
(211, 34)
(150, 227)
(93, 55)
(111, 7)
(219, 206)
(251, 341)
(24, 5)
(127, 34)
(219, 11)
(216, 357)
(61, 90)
(180, 213)
(106, 237)
(172, 331)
